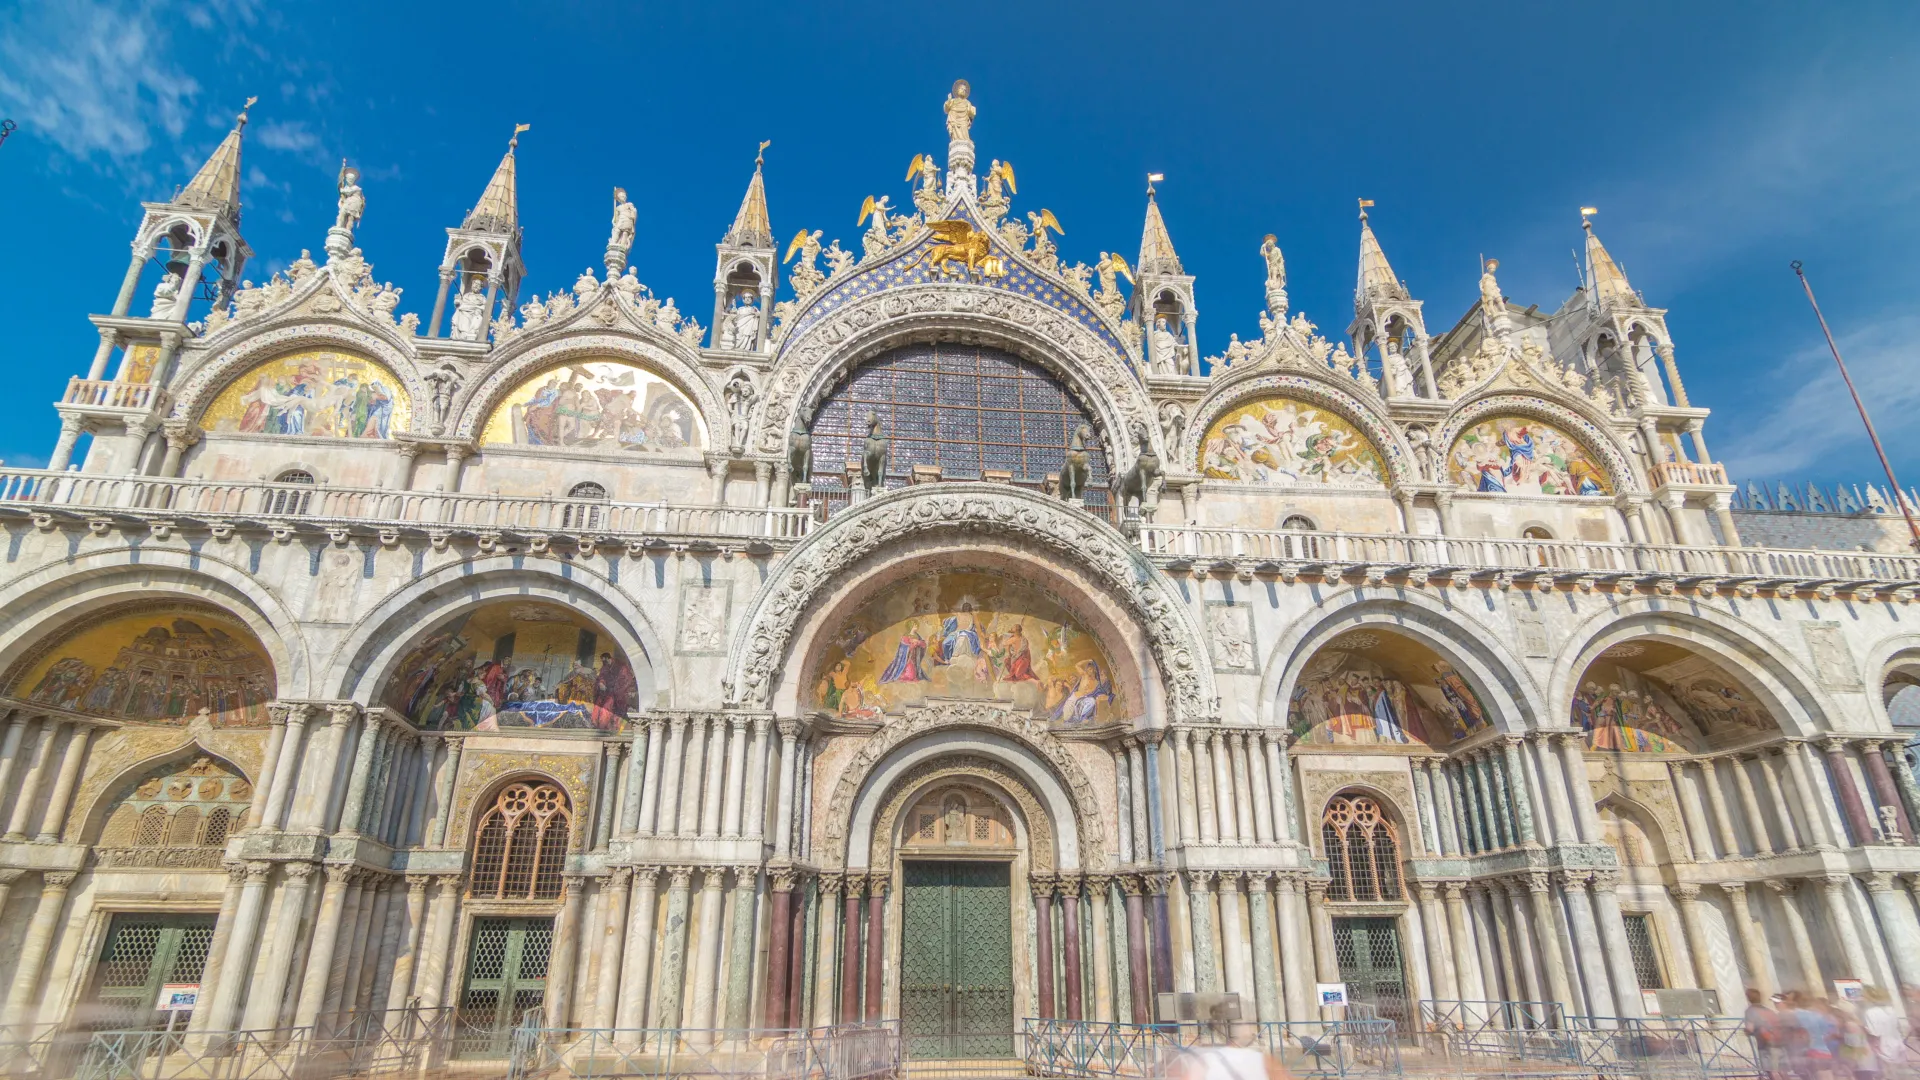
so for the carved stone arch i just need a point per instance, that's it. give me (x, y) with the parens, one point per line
(1475, 650)
(360, 664)
(143, 749)
(1238, 388)
(760, 642)
(939, 730)
(1663, 829)
(984, 772)
(484, 773)
(156, 227)
(1391, 790)
(812, 361)
(1578, 417)
(1892, 663)
(535, 351)
(40, 604)
(255, 342)
(1770, 669)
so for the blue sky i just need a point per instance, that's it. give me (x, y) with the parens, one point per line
(1719, 141)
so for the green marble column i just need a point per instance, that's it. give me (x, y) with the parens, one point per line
(1266, 992)
(1206, 967)
(1517, 779)
(673, 950)
(746, 890)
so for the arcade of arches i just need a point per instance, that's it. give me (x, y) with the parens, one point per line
(642, 677)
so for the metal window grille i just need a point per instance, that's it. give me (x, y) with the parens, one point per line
(218, 824)
(152, 830)
(966, 408)
(1300, 547)
(1646, 958)
(583, 509)
(291, 500)
(185, 830)
(1363, 850)
(520, 845)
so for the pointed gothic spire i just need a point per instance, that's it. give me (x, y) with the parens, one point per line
(1604, 276)
(1156, 247)
(216, 186)
(1376, 278)
(498, 210)
(751, 229)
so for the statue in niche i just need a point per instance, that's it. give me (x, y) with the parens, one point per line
(1394, 370)
(1173, 423)
(1165, 348)
(873, 464)
(959, 112)
(166, 293)
(743, 323)
(353, 201)
(445, 381)
(470, 313)
(800, 450)
(1075, 472)
(740, 396)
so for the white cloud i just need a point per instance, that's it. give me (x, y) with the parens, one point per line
(1813, 419)
(95, 78)
(291, 137)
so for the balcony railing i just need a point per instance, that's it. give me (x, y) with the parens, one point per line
(1207, 544)
(1686, 472)
(90, 494)
(107, 394)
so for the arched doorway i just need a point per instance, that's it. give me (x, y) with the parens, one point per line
(520, 843)
(1367, 896)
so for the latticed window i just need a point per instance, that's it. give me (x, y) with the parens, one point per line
(1646, 958)
(291, 500)
(583, 509)
(966, 408)
(179, 817)
(958, 817)
(520, 846)
(1363, 850)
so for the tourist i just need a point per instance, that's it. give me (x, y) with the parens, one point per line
(1762, 1025)
(1886, 1030)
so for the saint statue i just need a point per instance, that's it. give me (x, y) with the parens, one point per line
(470, 313)
(740, 396)
(959, 112)
(1394, 370)
(1276, 263)
(1490, 295)
(624, 214)
(165, 293)
(1166, 347)
(353, 201)
(743, 323)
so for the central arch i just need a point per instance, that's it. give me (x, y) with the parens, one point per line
(763, 643)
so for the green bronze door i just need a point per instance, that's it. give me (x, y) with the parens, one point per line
(506, 976)
(142, 954)
(956, 967)
(1368, 951)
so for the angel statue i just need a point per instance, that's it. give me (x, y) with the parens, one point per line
(353, 201)
(1109, 299)
(1043, 250)
(621, 241)
(1000, 172)
(959, 112)
(877, 238)
(927, 195)
(470, 313)
(806, 274)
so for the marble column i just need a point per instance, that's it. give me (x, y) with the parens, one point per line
(1527, 947)
(1138, 798)
(1296, 976)
(1158, 885)
(1902, 775)
(742, 947)
(1578, 787)
(1686, 897)
(1847, 792)
(1186, 796)
(1279, 770)
(1123, 801)
(326, 934)
(779, 942)
(1487, 768)
(1242, 796)
(567, 933)
(1546, 942)
(1266, 984)
(401, 989)
(1139, 988)
(55, 820)
(1834, 889)
(1691, 816)
(1233, 936)
(1613, 934)
(29, 793)
(1753, 947)
(266, 990)
(1897, 923)
(1518, 786)
(1206, 966)
(1797, 933)
(1449, 827)
(850, 939)
(789, 778)
(1325, 964)
(1466, 959)
(1750, 805)
(1261, 787)
(755, 823)
(32, 949)
(706, 962)
(431, 974)
(650, 777)
(716, 777)
(1433, 932)
(10, 748)
(616, 897)
(669, 994)
(286, 769)
(1497, 943)
(1873, 757)
(1203, 788)
(1770, 766)
(692, 770)
(1069, 887)
(1723, 834)
(1099, 887)
(635, 968)
(1480, 803)
(876, 943)
(825, 1003)
(1043, 959)
(1461, 795)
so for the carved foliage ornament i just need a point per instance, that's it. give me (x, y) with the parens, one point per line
(947, 715)
(803, 371)
(761, 642)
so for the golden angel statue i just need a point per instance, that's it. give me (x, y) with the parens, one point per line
(1000, 172)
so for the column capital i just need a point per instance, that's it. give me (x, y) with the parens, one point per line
(1684, 892)
(1455, 890)
(58, 881)
(1778, 886)
(830, 884)
(1428, 891)
(1042, 886)
(337, 874)
(877, 884)
(1259, 880)
(647, 876)
(1606, 880)
(1152, 736)
(716, 879)
(417, 883)
(789, 729)
(1733, 888)
(1537, 882)
(343, 713)
(679, 877)
(1158, 883)
(1317, 890)
(1229, 880)
(300, 871)
(1200, 880)
(1879, 881)
(856, 886)
(1833, 744)
(1834, 881)
(1131, 885)
(783, 878)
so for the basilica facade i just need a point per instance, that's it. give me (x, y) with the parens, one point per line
(939, 635)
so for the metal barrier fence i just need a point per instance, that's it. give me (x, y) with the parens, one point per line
(407, 1041)
(1713, 1046)
(1312, 1048)
(843, 1052)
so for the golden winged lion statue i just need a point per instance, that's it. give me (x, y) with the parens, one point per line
(959, 242)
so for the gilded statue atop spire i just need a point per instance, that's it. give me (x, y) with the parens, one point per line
(960, 112)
